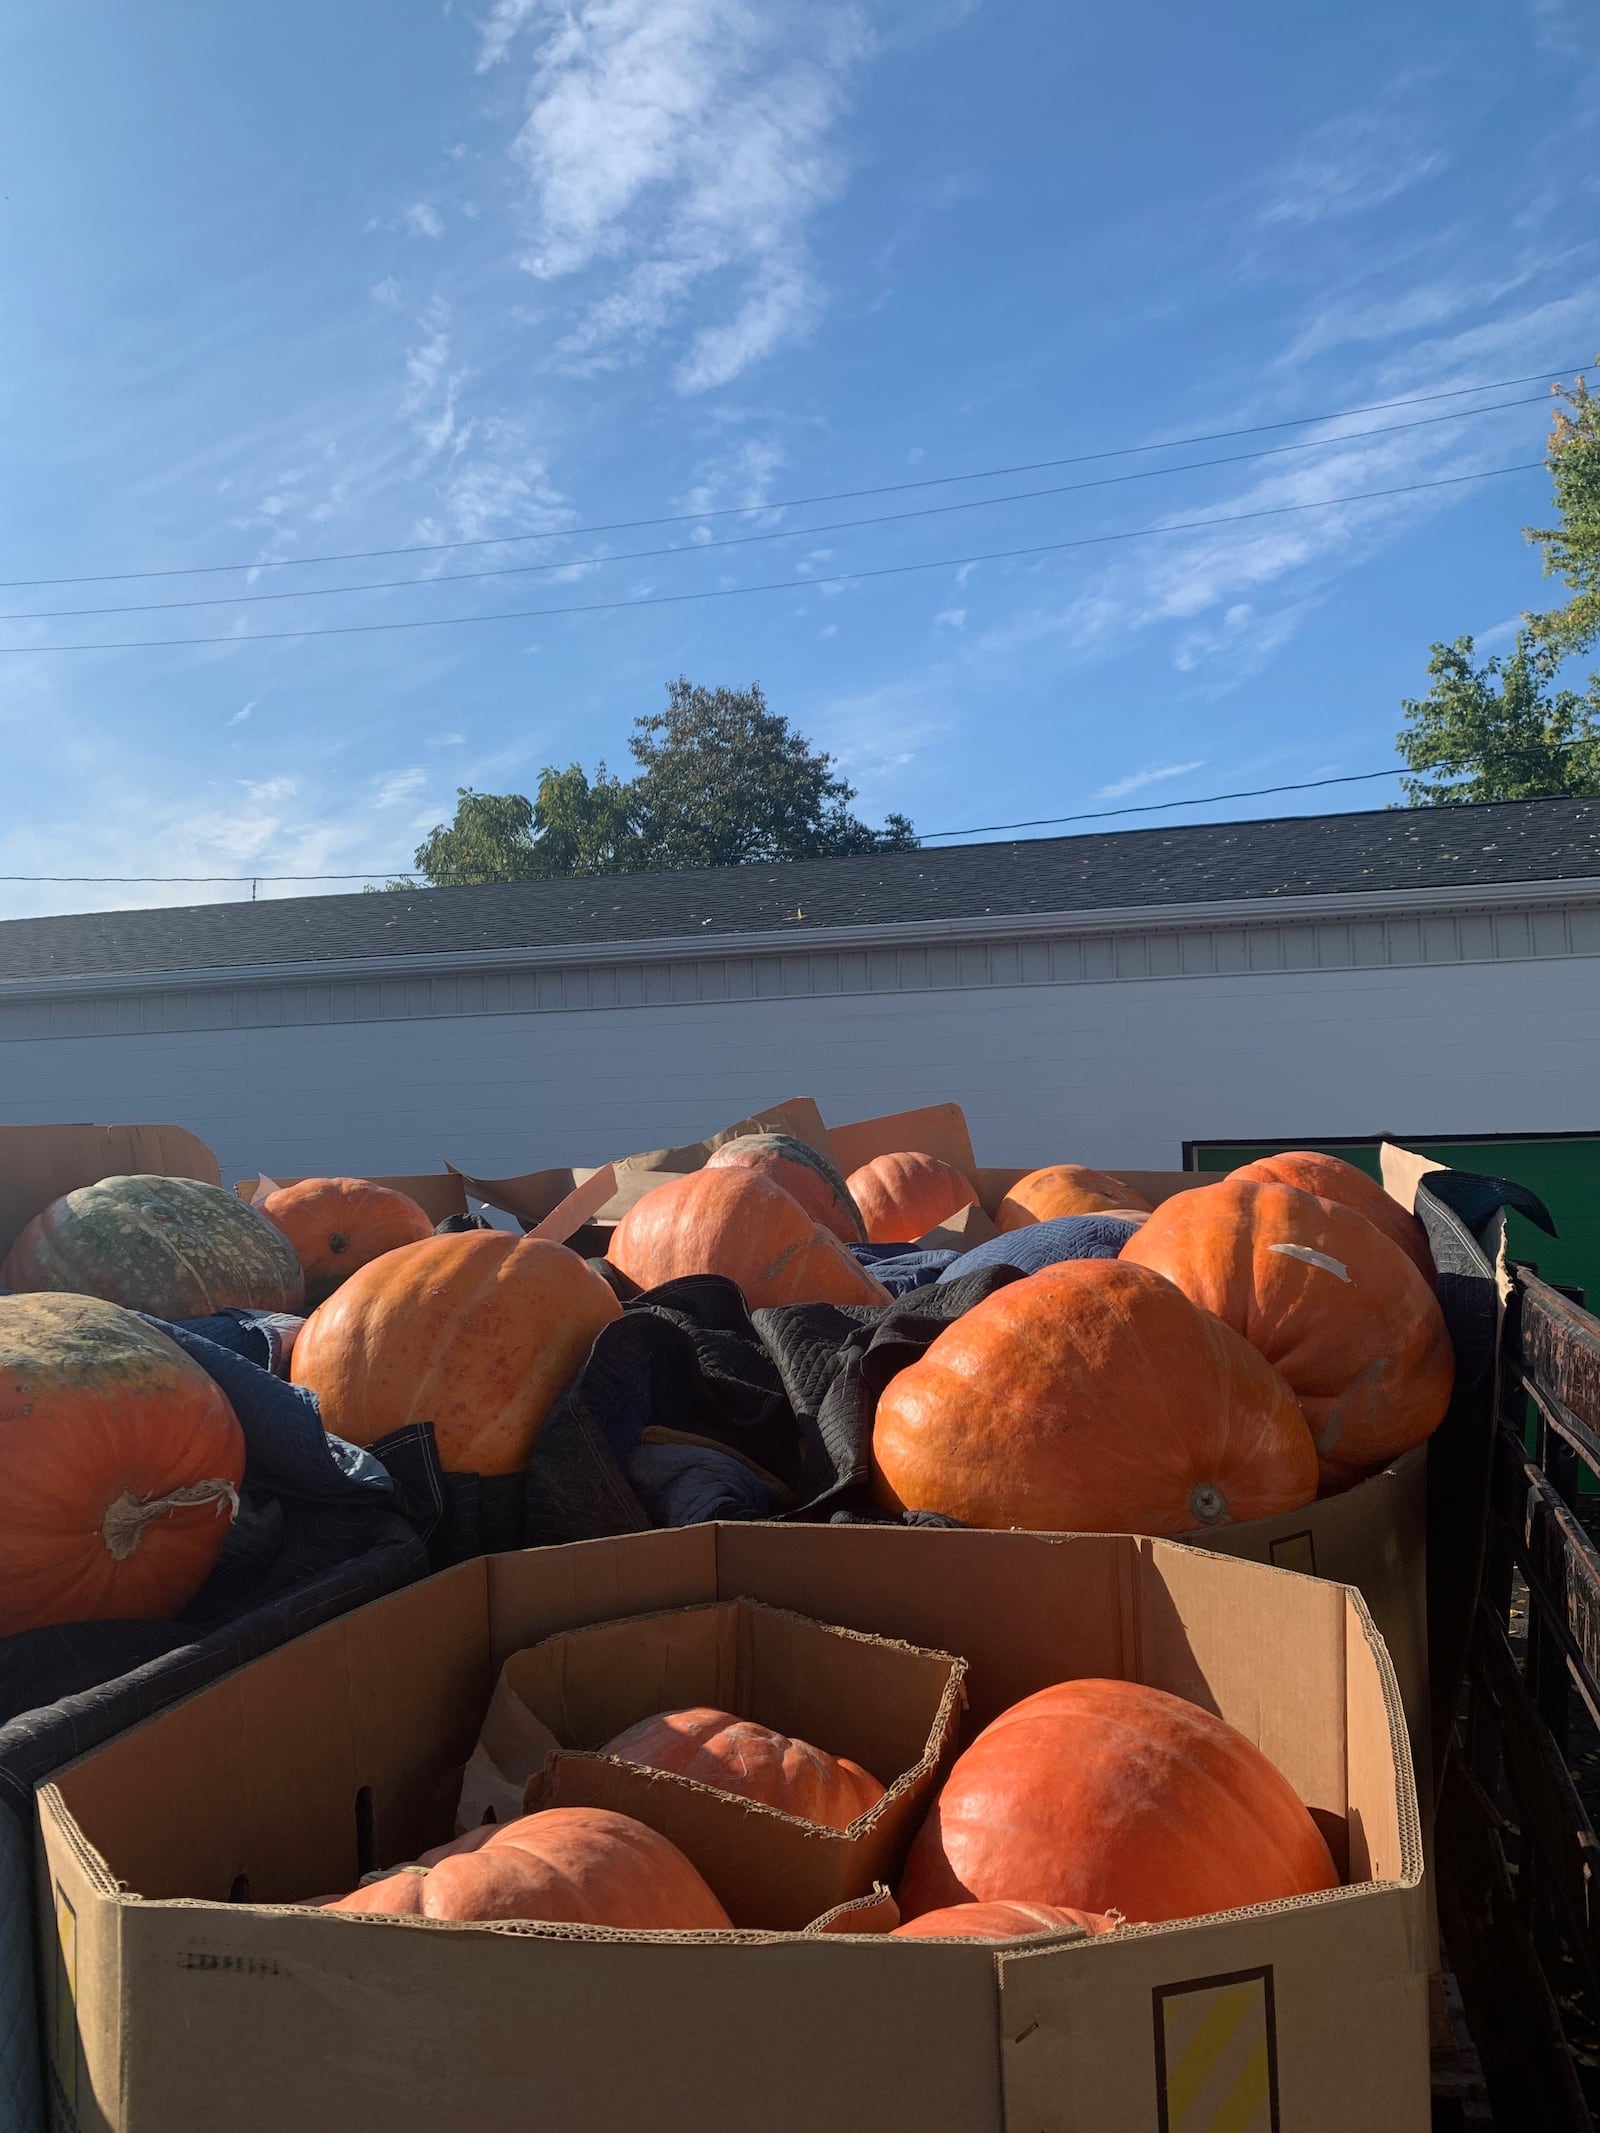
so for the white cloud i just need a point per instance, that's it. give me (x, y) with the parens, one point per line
(1358, 161)
(953, 618)
(1138, 779)
(423, 219)
(398, 786)
(677, 152)
(242, 713)
(740, 480)
(445, 740)
(268, 791)
(386, 291)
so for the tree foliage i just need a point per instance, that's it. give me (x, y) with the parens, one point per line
(1500, 731)
(1572, 546)
(1508, 730)
(722, 781)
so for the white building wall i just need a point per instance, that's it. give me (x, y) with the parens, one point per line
(1108, 1073)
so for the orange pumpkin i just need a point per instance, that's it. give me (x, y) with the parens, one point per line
(1000, 1921)
(121, 1463)
(737, 1223)
(1330, 1178)
(174, 1247)
(1092, 1398)
(1339, 1309)
(903, 1196)
(739, 1756)
(338, 1224)
(1065, 1189)
(479, 1334)
(581, 1866)
(1111, 1796)
(805, 1174)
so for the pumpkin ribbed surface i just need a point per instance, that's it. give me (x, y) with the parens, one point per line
(1328, 1299)
(1329, 1177)
(1000, 1921)
(1065, 1189)
(1092, 1398)
(120, 1461)
(479, 1334)
(737, 1755)
(903, 1196)
(583, 1866)
(339, 1224)
(1111, 1796)
(805, 1174)
(739, 1224)
(170, 1246)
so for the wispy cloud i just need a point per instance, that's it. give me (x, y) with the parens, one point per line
(398, 786)
(1137, 780)
(423, 219)
(386, 291)
(952, 618)
(445, 740)
(1357, 161)
(242, 713)
(677, 152)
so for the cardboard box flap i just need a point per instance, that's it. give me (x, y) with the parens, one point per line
(530, 1197)
(439, 1193)
(796, 1114)
(40, 1163)
(937, 1129)
(960, 1232)
(1402, 1171)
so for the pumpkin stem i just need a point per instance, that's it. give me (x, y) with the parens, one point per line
(122, 1528)
(1208, 1504)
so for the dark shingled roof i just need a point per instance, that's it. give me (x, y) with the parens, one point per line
(1443, 847)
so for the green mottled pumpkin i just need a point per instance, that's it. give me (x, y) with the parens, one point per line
(170, 1246)
(805, 1174)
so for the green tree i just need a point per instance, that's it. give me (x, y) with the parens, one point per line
(1500, 731)
(723, 781)
(1572, 546)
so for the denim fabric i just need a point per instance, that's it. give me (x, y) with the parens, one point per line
(1040, 1244)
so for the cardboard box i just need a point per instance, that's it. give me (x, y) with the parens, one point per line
(40, 1163)
(171, 2009)
(439, 1193)
(890, 1707)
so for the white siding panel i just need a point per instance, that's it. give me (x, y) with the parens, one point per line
(1116, 1073)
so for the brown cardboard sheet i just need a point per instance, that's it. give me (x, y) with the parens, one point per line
(438, 1193)
(40, 1163)
(183, 1997)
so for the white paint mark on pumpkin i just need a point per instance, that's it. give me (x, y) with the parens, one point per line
(1310, 1258)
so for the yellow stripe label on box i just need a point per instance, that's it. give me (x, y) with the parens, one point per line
(64, 2029)
(1216, 2055)
(1296, 1551)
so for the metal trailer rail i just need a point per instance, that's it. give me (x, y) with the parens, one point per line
(1517, 1856)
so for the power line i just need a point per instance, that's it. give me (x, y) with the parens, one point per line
(733, 592)
(785, 533)
(982, 829)
(796, 503)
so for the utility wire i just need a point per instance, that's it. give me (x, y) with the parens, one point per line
(784, 533)
(982, 829)
(795, 503)
(733, 592)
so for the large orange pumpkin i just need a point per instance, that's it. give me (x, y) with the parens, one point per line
(171, 1246)
(1065, 1189)
(120, 1463)
(1000, 1921)
(1341, 1312)
(1110, 1796)
(338, 1224)
(737, 1755)
(903, 1196)
(1092, 1398)
(582, 1866)
(479, 1334)
(737, 1223)
(1331, 1178)
(805, 1174)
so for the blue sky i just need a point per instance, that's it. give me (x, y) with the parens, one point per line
(305, 280)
